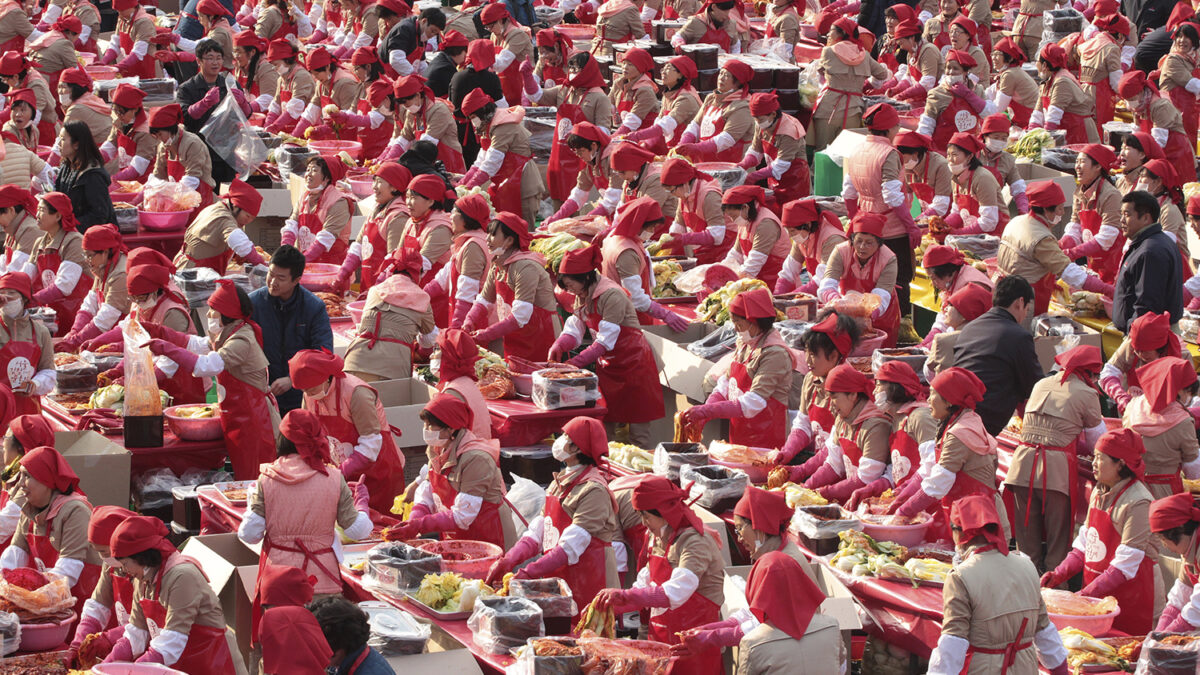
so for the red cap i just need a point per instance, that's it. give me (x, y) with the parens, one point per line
(962, 58)
(363, 56)
(1125, 445)
(225, 300)
(102, 238)
(11, 195)
(310, 367)
(744, 194)
(1009, 47)
(304, 429)
(867, 223)
(640, 58)
(62, 206)
(942, 254)
(677, 171)
(1054, 54)
(428, 186)
(518, 225)
(590, 132)
(165, 117)
(995, 124)
(1045, 194)
(453, 38)
(396, 175)
(628, 156)
(408, 85)
(844, 378)
(907, 28)
(12, 63)
(481, 54)
(248, 39)
(143, 279)
(474, 101)
(1174, 511)
(685, 66)
(971, 28)
(104, 520)
(1084, 359)
(318, 58)
(767, 511)
(1193, 205)
(764, 103)
(493, 13)
(881, 117)
(1101, 154)
(475, 206)
(140, 533)
(976, 516)
(378, 90)
(49, 468)
(911, 139)
(1132, 84)
(902, 374)
(279, 50)
(587, 433)
(23, 96)
(968, 142)
(1163, 379)
(68, 24)
(756, 303)
(740, 71)
(127, 96)
(1163, 170)
(450, 410)
(77, 76)
(581, 261)
(959, 387)
(848, 26)
(799, 212)
(829, 326)
(972, 301)
(245, 197)
(212, 8)
(19, 282)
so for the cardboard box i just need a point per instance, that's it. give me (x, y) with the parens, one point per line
(682, 371)
(220, 555)
(1049, 346)
(402, 402)
(459, 661)
(101, 464)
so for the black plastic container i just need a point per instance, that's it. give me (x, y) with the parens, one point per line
(143, 431)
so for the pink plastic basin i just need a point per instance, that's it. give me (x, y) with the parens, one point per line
(471, 559)
(164, 222)
(319, 276)
(361, 187)
(127, 197)
(43, 152)
(100, 73)
(576, 32)
(905, 535)
(356, 310)
(1092, 625)
(191, 428)
(134, 669)
(329, 149)
(869, 343)
(86, 58)
(38, 637)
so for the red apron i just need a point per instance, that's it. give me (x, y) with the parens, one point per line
(41, 550)
(19, 360)
(126, 143)
(587, 576)
(1102, 540)
(958, 116)
(1102, 91)
(308, 225)
(1039, 460)
(1107, 263)
(505, 188)
(122, 590)
(182, 387)
(218, 263)
(145, 67)
(47, 264)
(485, 527)
(460, 242)
(374, 140)
(626, 104)
(767, 429)
(628, 377)
(716, 36)
(889, 322)
(696, 612)
(440, 305)
(769, 273)
(1072, 123)
(564, 165)
(374, 246)
(176, 172)
(207, 650)
(511, 81)
(1186, 103)
(385, 477)
(1010, 651)
(531, 342)
(906, 458)
(451, 159)
(712, 124)
(17, 43)
(246, 423)
(793, 184)
(820, 415)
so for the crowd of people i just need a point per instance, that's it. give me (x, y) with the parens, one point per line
(930, 97)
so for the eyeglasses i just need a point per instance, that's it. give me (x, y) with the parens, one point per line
(213, 58)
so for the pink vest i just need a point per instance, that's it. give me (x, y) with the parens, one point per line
(338, 403)
(783, 245)
(304, 512)
(865, 169)
(612, 248)
(433, 220)
(464, 386)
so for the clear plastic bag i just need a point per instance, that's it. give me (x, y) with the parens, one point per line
(10, 633)
(712, 486)
(793, 331)
(555, 388)
(669, 458)
(169, 197)
(823, 522)
(197, 476)
(773, 48)
(1169, 654)
(552, 594)
(500, 624)
(810, 84)
(394, 632)
(691, 281)
(564, 657)
(603, 656)
(395, 568)
(858, 305)
(52, 598)
(528, 499)
(141, 386)
(716, 344)
(233, 139)
(982, 246)
(154, 488)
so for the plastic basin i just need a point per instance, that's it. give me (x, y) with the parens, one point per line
(469, 558)
(523, 384)
(905, 535)
(43, 152)
(356, 310)
(39, 637)
(319, 276)
(86, 58)
(164, 222)
(100, 73)
(869, 343)
(1096, 625)
(134, 669)
(576, 32)
(362, 187)
(127, 197)
(190, 428)
(329, 149)
(756, 472)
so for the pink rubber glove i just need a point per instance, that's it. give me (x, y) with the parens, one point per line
(1061, 669)
(362, 498)
(974, 100)
(47, 295)
(809, 288)
(126, 64)
(197, 109)
(756, 176)
(694, 642)
(1085, 250)
(240, 98)
(186, 359)
(316, 38)
(474, 178)
(829, 295)
(652, 133)
(910, 487)
(288, 238)
(839, 492)
(916, 91)
(701, 238)
(320, 131)
(918, 502)
(109, 58)
(1109, 580)
(1112, 387)
(797, 441)
(872, 489)
(1067, 242)
(281, 122)
(748, 162)
(1169, 614)
(476, 315)
(562, 346)
(674, 321)
(460, 313)
(346, 271)
(1194, 304)
(496, 331)
(353, 120)
(433, 289)
(1180, 625)
(954, 220)
(89, 331)
(687, 138)
(122, 652)
(130, 173)
(1095, 285)
(569, 208)
(314, 252)
(589, 355)
(302, 125)
(1069, 567)
(716, 410)
(824, 475)
(599, 210)
(1022, 201)
(524, 549)
(634, 598)
(697, 150)
(354, 465)
(442, 521)
(87, 626)
(550, 562)
(151, 656)
(527, 78)
(784, 285)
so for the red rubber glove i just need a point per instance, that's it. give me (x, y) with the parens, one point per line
(562, 346)
(521, 551)
(1095, 285)
(496, 330)
(716, 410)
(701, 238)
(633, 598)
(1180, 625)
(239, 97)
(87, 626)
(362, 498)
(697, 150)
(354, 465)
(910, 488)
(588, 356)
(1068, 568)
(797, 441)
(1169, 614)
(1109, 580)
(314, 252)
(918, 502)
(151, 656)
(568, 208)
(674, 321)
(824, 475)
(122, 652)
(872, 489)
(550, 562)
(476, 315)
(186, 359)
(652, 133)
(839, 492)
(197, 109)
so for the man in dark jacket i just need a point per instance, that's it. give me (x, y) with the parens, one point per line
(998, 349)
(1151, 274)
(446, 63)
(200, 96)
(291, 318)
(408, 37)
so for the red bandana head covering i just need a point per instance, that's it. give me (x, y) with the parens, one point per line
(911, 139)
(590, 132)
(518, 226)
(1163, 170)
(303, 428)
(12, 63)
(49, 468)
(104, 521)
(32, 431)
(284, 586)
(377, 91)
(77, 76)
(1131, 84)
(629, 156)
(144, 279)
(1055, 55)
(62, 206)
(756, 303)
(453, 38)
(395, 174)
(789, 611)
(409, 85)
(148, 256)
(902, 374)
(459, 354)
(1193, 205)
(1113, 23)
(493, 13)
(676, 171)
(1010, 48)
(959, 387)
(292, 642)
(972, 301)
(961, 58)
(744, 194)
(212, 8)
(846, 380)
(103, 238)
(1174, 511)
(481, 54)
(1163, 379)
(363, 56)
(995, 124)
(279, 50)
(19, 282)
(1150, 147)
(226, 303)
(247, 39)
(1082, 359)
(942, 254)
(165, 117)
(840, 338)
(475, 207)
(800, 212)
(763, 103)
(1125, 445)
(588, 77)
(967, 142)
(1045, 194)
(906, 28)
(428, 186)
(970, 27)
(1152, 331)
(318, 58)
(640, 59)
(581, 261)
(1101, 154)
(740, 72)
(451, 411)
(686, 67)
(1182, 14)
(657, 493)
(127, 96)
(11, 195)
(406, 261)
(632, 217)
(976, 516)
(475, 101)
(867, 223)
(881, 117)
(140, 533)
(767, 511)
(587, 433)
(244, 197)
(310, 367)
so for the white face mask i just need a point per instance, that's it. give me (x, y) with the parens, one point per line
(477, 123)
(996, 144)
(559, 449)
(65, 100)
(910, 164)
(433, 438)
(12, 308)
(957, 168)
(646, 235)
(112, 562)
(881, 398)
(214, 325)
(800, 236)
(414, 108)
(497, 252)
(1142, 186)
(743, 336)
(435, 366)
(147, 306)
(953, 79)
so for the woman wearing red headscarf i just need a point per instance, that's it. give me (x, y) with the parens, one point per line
(216, 234)
(130, 149)
(176, 619)
(979, 206)
(815, 233)
(232, 353)
(295, 86)
(105, 615)
(462, 494)
(856, 450)
(865, 265)
(848, 66)
(1161, 418)
(298, 500)
(52, 532)
(900, 394)
(619, 349)
(470, 258)
(182, 156)
(1063, 408)
(1137, 149)
(723, 127)
(1150, 338)
(63, 277)
(108, 300)
(254, 73)
(679, 105)
(635, 165)
(1063, 103)
(362, 446)
(590, 144)
(1114, 550)
(527, 311)
(26, 350)
(682, 584)
(1174, 521)
(1100, 63)
(553, 50)
(923, 63)
(761, 245)
(18, 213)
(381, 234)
(456, 376)
(963, 307)
(779, 142)
(581, 97)
(1178, 72)
(760, 520)
(25, 432)
(396, 320)
(954, 105)
(699, 219)
(515, 183)
(995, 618)
(514, 49)
(634, 94)
(754, 394)
(1013, 87)
(625, 261)
(429, 232)
(428, 118)
(1157, 115)
(369, 122)
(1097, 208)
(949, 273)
(334, 85)
(320, 222)
(293, 643)
(575, 532)
(965, 451)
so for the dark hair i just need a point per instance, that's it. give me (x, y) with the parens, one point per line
(765, 323)
(323, 165)
(1049, 66)
(434, 16)
(432, 420)
(813, 340)
(151, 557)
(454, 51)
(1144, 204)
(374, 71)
(75, 89)
(385, 13)
(289, 257)
(206, 45)
(1123, 470)
(588, 279)
(343, 623)
(1134, 143)
(284, 446)
(578, 60)
(577, 142)
(497, 227)
(243, 303)
(32, 108)
(951, 417)
(469, 223)
(1009, 289)
(1176, 534)
(1008, 60)
(1190, 33)
(909, 150)
(585, 459)
(974, 163)
(485, 111)
(945, 270)
(896, 393)
(86, 154)
(874, 132)
(751, 213)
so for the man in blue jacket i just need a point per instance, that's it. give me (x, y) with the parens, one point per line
(291, 318)
(1151, 275)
